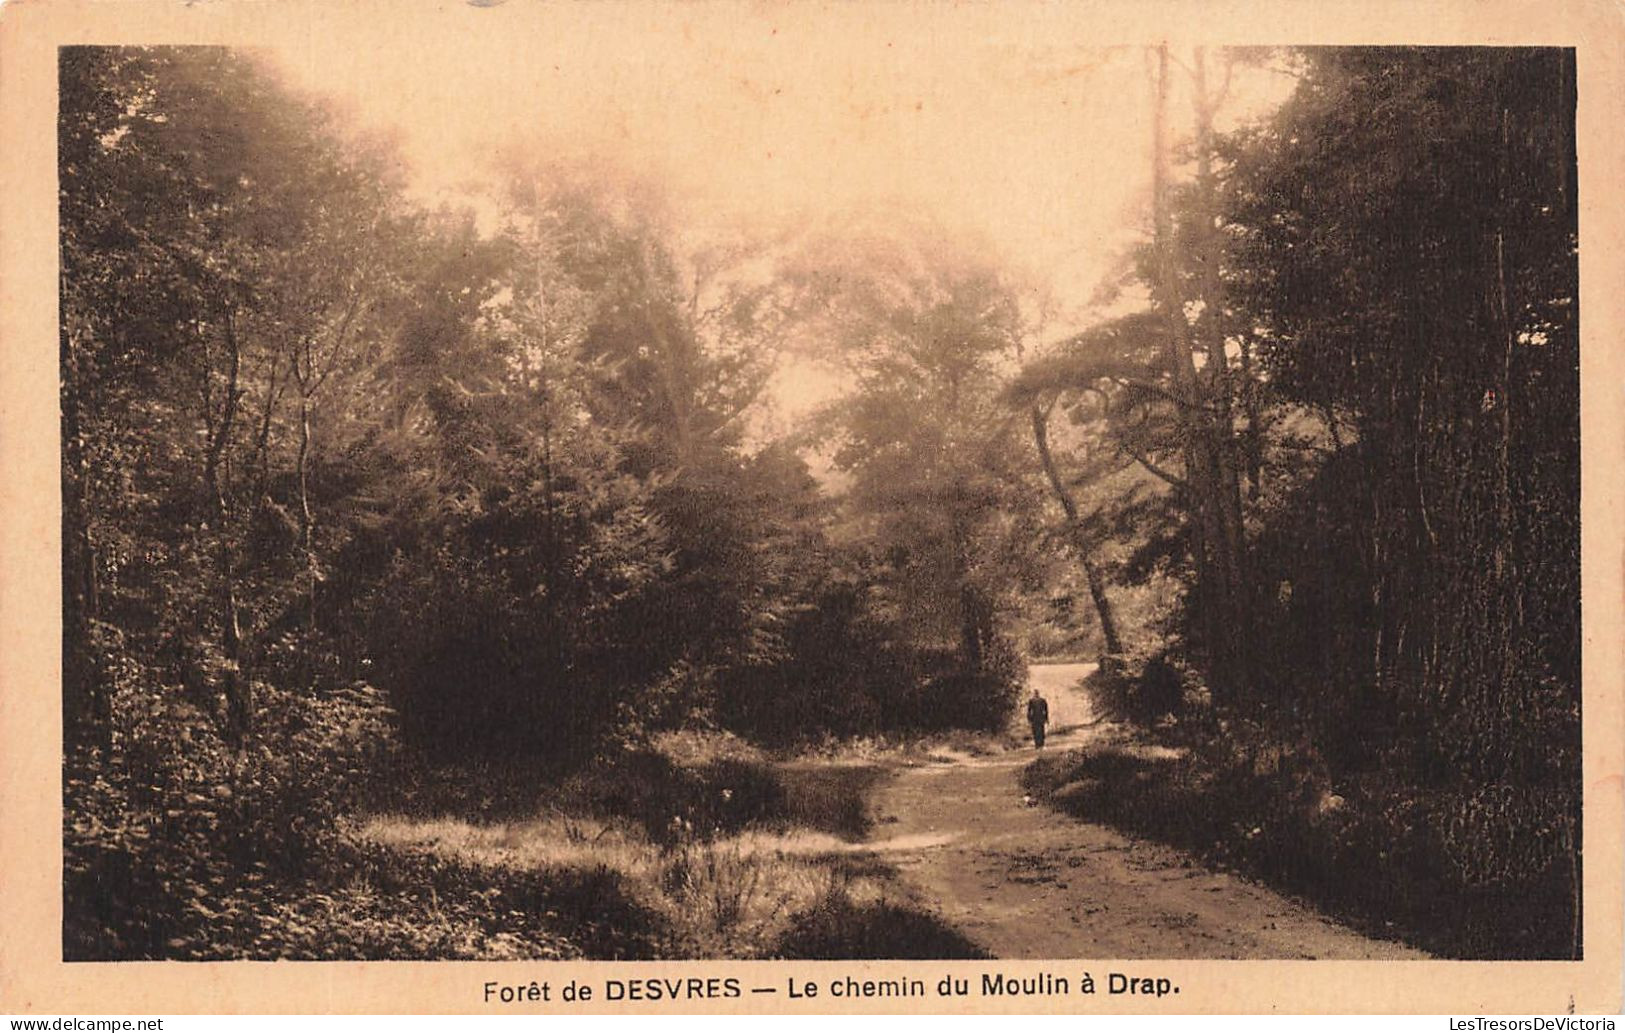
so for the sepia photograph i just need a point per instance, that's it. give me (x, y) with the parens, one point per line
(547, 550)
(781, 484)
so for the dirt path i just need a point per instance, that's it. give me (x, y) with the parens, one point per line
(1027, 882)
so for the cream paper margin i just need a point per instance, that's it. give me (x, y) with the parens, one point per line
(33, 979)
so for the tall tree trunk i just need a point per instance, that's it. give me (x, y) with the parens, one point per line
(1075, 530)
(1168, 295)
(1203, 400)
(1223, 448)
(238, 694)
(262, 445)
(310, 372)
(1253, 448)
(307, 521)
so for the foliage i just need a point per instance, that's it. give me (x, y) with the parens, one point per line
(343, 478)
(1358, 381)
(939, 491)
(1454, 366)
(1452, 514)
(1144, 689)
(181, 834)
(1462, 872)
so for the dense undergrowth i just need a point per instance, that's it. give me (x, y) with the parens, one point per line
(1462, 870)
(687, 845)
(697, 844)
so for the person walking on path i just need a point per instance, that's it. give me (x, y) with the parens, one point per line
(1038, 717)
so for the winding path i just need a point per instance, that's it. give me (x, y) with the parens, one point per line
(1024, 881)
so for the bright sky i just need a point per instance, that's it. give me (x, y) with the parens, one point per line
(776, 117)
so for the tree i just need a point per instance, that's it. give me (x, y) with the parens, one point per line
(936, 481)
(203, 211)
(1449, 372)
(1404, 248)
(255, 270)
(1187, 259)
(1081, 542)
(1176, 385)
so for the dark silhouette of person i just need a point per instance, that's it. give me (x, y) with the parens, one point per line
(1038, 717)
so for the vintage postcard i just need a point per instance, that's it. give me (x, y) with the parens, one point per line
(802, 508)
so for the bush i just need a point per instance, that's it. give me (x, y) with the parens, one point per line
(475, 669)
(173, 828)
(845, 671)
(839, 672)
(837, 928)
(671, 802)
(1141, 689)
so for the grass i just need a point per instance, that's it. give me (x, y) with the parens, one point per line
(728, 897)
(832, 799)
(905, 750)
(761, 893)
(701, 846)
(838, 927)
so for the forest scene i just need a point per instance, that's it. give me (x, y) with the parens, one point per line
(547, 566)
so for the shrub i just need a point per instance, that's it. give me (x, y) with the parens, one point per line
(980, 698)
(727, 901)
(671, 801)
(1141, 689)
(845, 671)
(837, 928)
(166, 833)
